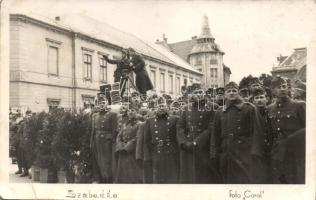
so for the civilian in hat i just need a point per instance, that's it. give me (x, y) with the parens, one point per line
(161, 149)
(102, 143)
(237, 139)
(286, 117)
(193, 135)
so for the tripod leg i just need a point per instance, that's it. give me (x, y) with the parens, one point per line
(123, 86)
(132, 82)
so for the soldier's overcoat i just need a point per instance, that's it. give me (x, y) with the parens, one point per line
(286, 118)
(195, 126)
(237, 141)
(102, 142)
(128, 170)
(161, 149)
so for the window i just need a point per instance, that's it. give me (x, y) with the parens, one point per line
(87, 62)
(53, 56)
(52, 60)
(88, 100)
(213, 72)
(191, 81)
(103, 70)
(162, 82)
(198, 60)
(178, 85)
(53, 104)
(153, 77)
(171, 83)
(213, 62)
(185, 81)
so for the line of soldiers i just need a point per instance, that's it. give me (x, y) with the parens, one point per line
(226, 137)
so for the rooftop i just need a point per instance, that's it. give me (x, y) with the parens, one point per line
(104, 32)
(295, 61)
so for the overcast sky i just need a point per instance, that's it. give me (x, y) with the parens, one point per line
(251, 33)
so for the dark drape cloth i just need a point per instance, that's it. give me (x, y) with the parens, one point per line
(143, 82)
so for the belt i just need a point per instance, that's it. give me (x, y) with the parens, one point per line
(194, 129)
(161, 143)
(280, 136)
(105, 134)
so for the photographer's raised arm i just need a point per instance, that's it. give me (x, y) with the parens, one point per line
(110, 60)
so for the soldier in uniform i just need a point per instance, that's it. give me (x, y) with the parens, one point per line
(128, 171)
(287, 116)
(24, 142)
(102, 143)
(193, 135)
(161, 150)
(260, 100)
(237, 140)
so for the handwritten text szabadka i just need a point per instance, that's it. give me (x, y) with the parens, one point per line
(103, 194)
(247, 194)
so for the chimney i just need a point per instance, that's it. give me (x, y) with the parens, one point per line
(194, 37)
(164, 38)
(57, 18)
(281, 58)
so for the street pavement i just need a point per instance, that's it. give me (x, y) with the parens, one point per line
(15, 178)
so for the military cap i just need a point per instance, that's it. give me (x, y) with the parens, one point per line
(196, 86)
(220, 91)
(28, 112)
(259, 91)
(231, 85)
(244, 92)
(277, 81)
(299, 85)
(161, 100)
(116, 99)
(210, 91)
(105, 87)
(135, 94)
(130, 49)
(255, 80)
(100, 95)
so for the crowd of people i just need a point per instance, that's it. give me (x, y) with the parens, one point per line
(230, 135)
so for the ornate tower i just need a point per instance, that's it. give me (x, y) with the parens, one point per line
(207, 57)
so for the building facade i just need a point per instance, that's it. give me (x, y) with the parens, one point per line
(204, 55)
(293, 66)
(56, 62)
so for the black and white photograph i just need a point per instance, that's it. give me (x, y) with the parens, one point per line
(158, 99)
